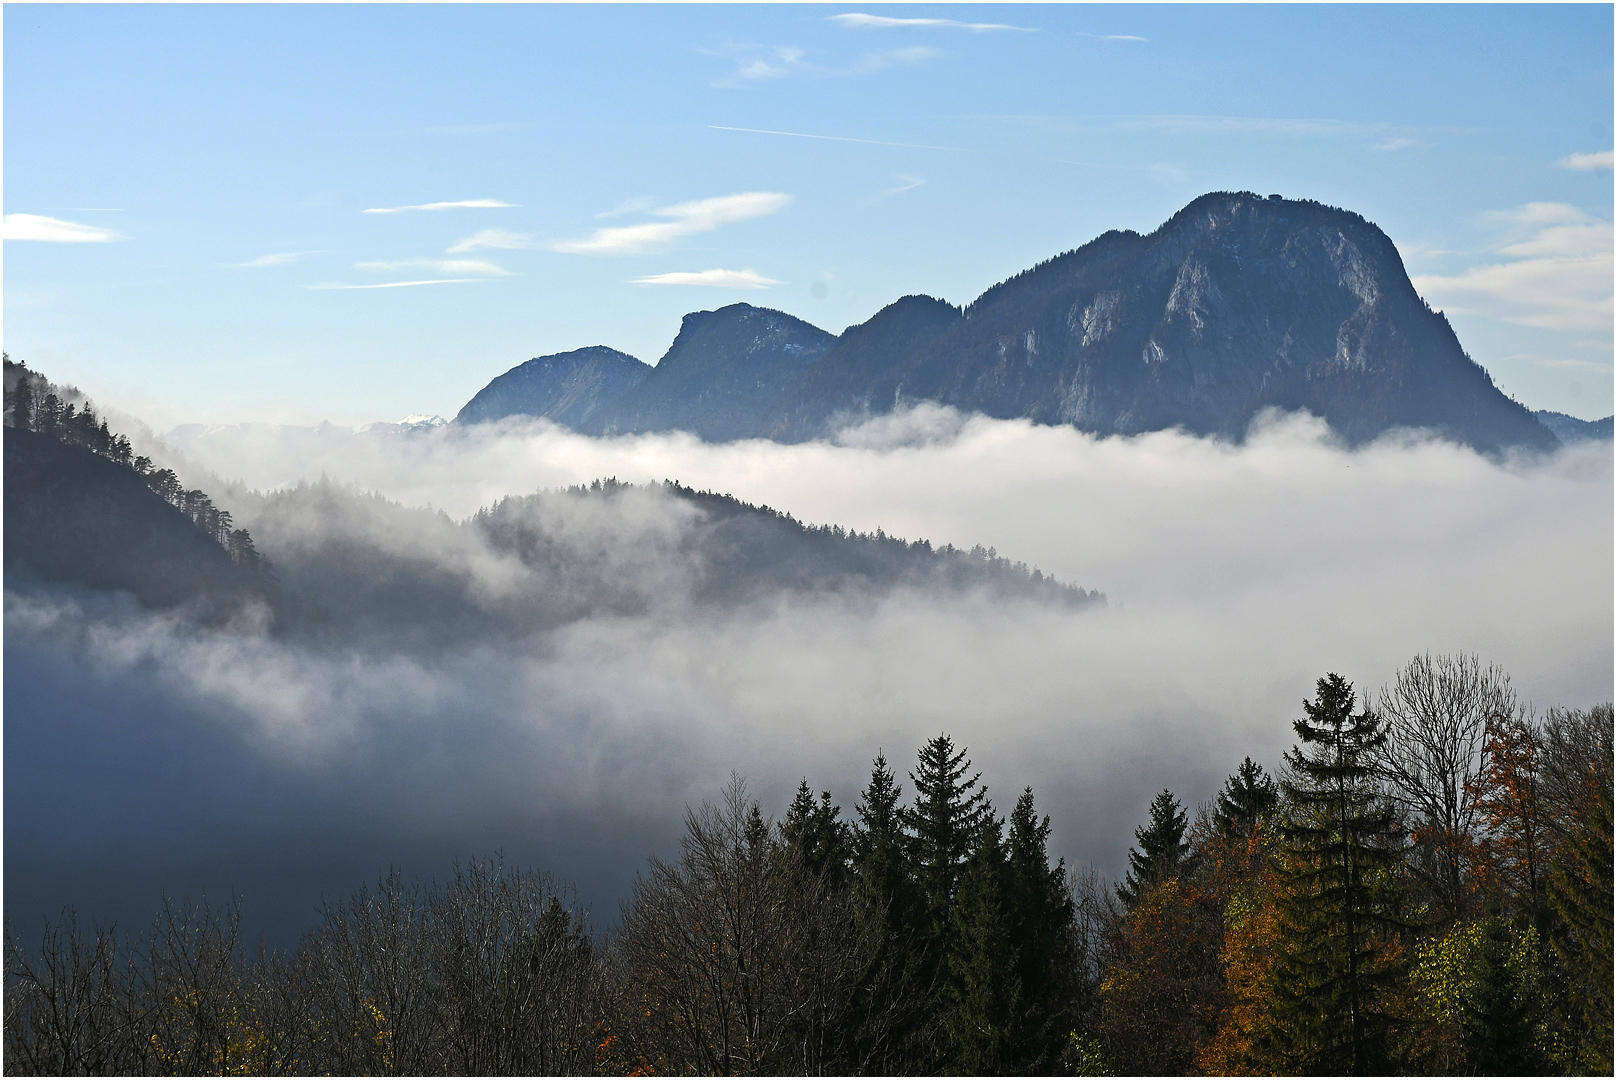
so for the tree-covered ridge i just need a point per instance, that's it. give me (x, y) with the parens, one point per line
(33, 403)
(1299, 924)
(371, 571)
(744, 548)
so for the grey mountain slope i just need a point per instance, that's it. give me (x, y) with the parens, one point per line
(568, 387)
(863, 374)
(1569, 429)
(721, 377)
(1236, 304)
(75, 517)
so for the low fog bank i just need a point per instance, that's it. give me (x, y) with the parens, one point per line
(365, 572)
(145, 753)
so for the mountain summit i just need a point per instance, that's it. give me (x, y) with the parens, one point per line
(1236, 304)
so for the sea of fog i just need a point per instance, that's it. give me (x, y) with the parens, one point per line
(143, 754)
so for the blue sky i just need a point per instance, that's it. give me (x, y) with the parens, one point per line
(193, 193)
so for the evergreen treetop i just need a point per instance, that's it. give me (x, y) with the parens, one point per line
(1247, 796)
(1162, 849)
(814, 834)
(949, 810)
(1340, 900)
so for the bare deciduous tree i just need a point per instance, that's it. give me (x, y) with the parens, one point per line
(737, 960)
(70, 1009)
(1436, 714)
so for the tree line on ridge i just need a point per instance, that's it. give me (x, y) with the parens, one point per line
(35, 404)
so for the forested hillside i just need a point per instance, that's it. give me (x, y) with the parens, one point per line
(1424, 886)
(373, 572)
(83, 509)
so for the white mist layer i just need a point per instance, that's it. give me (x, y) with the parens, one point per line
(1236, 577)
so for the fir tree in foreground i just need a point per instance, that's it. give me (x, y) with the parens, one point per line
(1339, 894)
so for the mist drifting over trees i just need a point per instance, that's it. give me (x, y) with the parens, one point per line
(1295, 929)
(466, 646)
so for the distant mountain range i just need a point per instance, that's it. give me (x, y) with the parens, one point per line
(1237, 304)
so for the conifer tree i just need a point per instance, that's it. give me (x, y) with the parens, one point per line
(1578, 767)
(22, 403)
(1162, 848)
(815, 837)
(984, 999)
(943, 824)
(891, 997)
(1247, 796)
(1043, 934)
(1505, 1006)
(1339, 894)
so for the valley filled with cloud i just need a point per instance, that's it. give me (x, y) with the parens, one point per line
(283, 762)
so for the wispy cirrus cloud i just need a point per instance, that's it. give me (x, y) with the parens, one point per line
(442, 266)
(755, 63)
(462, 204)
(860, 21)
(629, 206)
(1398, 142)
(1556, 274)
(835, 138)
(277, 258)
(55, 231)
(722, 279)
(1597, 162)
(1191, 124)
(906, 183)
(685, 219)
(1565, 363)
(395, 284)
(492, 238)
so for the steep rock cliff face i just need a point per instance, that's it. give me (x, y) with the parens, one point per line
(1237, 304)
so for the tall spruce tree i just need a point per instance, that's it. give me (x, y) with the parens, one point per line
(1044, 941)
(877, 844)
(1247, 796)
(1339, 895)
(892, 997)
(983, 1004)
(943, 824)
(1162, 848)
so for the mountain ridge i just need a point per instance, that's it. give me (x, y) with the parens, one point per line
(1236, 304)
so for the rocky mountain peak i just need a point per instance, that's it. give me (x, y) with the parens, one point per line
(1238, 303)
